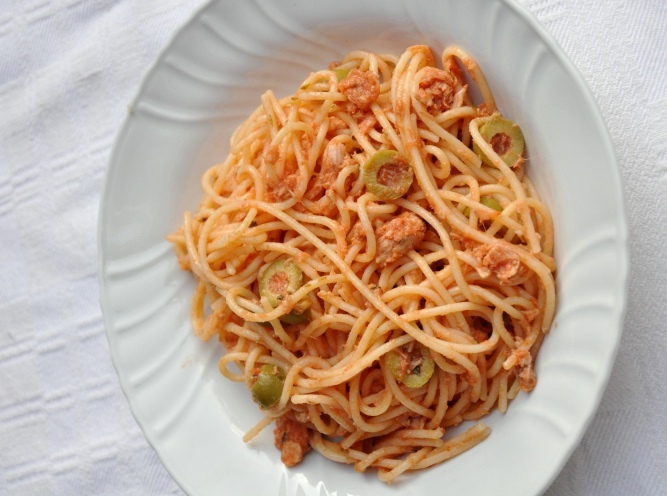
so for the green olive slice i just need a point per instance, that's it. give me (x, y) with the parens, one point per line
(506, 139)
(282, 278)
(268, 385)
(292, 318)
(413, 368)
(487, 201)
(341, 73)
(387, 174)
(296, 318)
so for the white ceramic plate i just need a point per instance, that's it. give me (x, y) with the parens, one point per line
(206, 81)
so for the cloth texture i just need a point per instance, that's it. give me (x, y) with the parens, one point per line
(68, 69)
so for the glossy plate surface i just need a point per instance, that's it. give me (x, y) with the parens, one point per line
(202, 86)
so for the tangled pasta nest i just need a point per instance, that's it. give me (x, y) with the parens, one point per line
(375, 261)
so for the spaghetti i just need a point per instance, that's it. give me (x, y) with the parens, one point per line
(375, 261)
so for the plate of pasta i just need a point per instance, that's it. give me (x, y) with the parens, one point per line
(363, 248)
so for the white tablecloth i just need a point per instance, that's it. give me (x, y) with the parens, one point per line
(68, 68)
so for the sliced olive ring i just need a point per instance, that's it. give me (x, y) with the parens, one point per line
(487, 201)
(341, 73)
(268, 385)
(292, 318)
(281, 279)
(296, 318)
(387, 174)
(413, 368)
(506, 139)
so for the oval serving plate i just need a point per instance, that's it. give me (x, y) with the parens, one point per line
(202, 86)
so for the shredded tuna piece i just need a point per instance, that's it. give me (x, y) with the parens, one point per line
(272, 155)
(411, 422)
(497, 259)
(531, 315)
(336, 123)
(306, 144)
(302, 417)
(503, 261)
(366, 122)
(397, 237)
(334, 159)
(480, 336)
(285, 189)
(291, 438)
(361, 87)
(524, 370)
(436, 89)
(357, 235)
